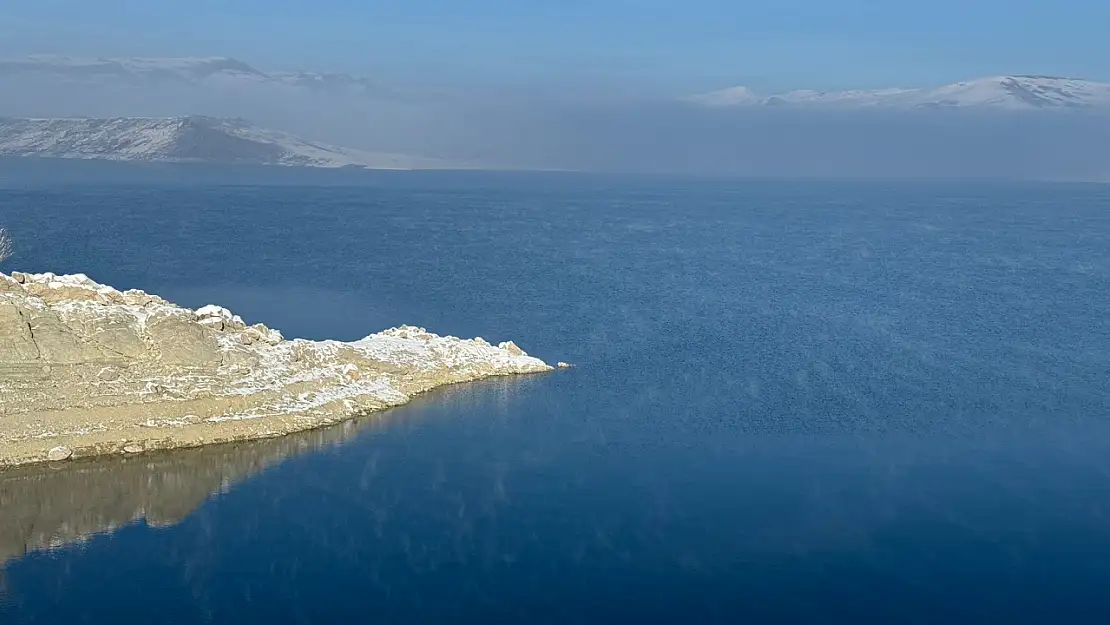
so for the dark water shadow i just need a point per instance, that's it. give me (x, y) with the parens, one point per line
(53, 506)
(48, 507)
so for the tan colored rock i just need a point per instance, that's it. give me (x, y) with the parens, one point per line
(181, 341)
(59, 453)
(56, 342)
(219, 318)
(17, 344)
(114, 333)
(260, 333)
(512, 348)
(94, 370)
(108, 374)
(352, 373)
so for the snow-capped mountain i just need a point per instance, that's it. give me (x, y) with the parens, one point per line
(326, 81)
(183, 139)
(995, 92)
(212, 71)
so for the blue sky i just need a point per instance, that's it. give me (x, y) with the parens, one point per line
(668, 44)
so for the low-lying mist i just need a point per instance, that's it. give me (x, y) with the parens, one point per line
(614, 134)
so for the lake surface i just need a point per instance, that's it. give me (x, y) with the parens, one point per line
(794, 403)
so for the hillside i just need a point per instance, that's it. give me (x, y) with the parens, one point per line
(183, 139)
(136, 71)
(995, 92)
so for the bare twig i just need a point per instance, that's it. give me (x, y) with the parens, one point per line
(5, 245)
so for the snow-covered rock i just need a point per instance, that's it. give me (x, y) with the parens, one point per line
(93, 370)
(182, 139)
(211, 71)
(732, 96)
(995, 92)
(327, 81)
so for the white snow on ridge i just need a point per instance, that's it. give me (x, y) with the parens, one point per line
(1022, 92)
(1012, 92)
(995, 92)
(183, 139)
(733, 96)
(212, 71)
(329, 81)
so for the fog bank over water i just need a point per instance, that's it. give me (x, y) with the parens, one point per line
(604, 130)
(673, 138)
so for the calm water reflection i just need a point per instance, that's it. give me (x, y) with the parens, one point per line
(56, 506)
(795, 403)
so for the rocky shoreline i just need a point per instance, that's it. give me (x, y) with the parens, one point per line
(87, 370)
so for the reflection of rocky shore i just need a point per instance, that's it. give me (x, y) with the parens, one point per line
(46, 507)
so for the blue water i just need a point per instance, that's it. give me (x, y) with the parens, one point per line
(794, 403)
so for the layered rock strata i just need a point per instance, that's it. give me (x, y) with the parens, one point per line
(88, 370)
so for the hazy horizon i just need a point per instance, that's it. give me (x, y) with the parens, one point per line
(597, 86)
(652, 45)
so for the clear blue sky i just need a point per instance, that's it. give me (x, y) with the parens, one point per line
(669, 43)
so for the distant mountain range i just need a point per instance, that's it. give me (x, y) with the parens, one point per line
(213, 71)
(193, 139)
(996, 92)
(191, 109)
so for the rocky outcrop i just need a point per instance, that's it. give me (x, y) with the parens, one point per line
(88, 370)
(194, 139)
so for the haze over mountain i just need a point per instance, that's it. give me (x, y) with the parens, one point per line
(1024, 127)
(184, 140)
(211, 71)
(995, 92)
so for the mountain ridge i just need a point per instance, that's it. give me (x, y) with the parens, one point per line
(184, 139)
(1005, 92)
(197, 70)
(1009, 91)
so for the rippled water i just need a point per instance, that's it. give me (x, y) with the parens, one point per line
(811, 402)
